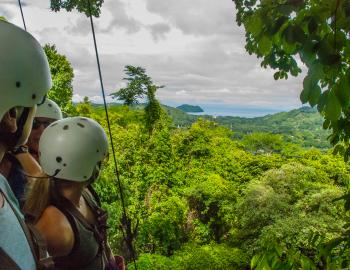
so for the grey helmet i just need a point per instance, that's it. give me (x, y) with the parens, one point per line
(49, 109)
(24, 70)
(73, 148)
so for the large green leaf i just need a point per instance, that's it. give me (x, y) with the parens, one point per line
(322, 102)
(254, 24)
(314, 95)
(333, 107)
(342, 91)
(265, 45)
(316, 71)
(288, 34)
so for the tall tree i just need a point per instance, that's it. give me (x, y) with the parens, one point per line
(153, 109)
(62, 77)
(316, 32)
(138, 82)
(139, 86)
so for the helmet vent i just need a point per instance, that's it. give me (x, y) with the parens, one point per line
(34, 96)
(65, 127)
(49, 104)
(18, 84)
(59, 159)
(80, 125)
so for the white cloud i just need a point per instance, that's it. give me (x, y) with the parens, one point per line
(194, 48)
(224, 90)
(94, 99)
(196, 17)
(77, 98)
(181, 93)
(99, 99)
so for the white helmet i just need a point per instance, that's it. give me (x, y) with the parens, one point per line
(24, 70)
(73, 148)
(49, 109)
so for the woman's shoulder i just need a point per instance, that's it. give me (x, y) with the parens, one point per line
(57, 230)
(52, 214)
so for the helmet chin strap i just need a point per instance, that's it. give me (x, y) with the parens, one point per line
(95, 173)
(42, 102)
(11, 139)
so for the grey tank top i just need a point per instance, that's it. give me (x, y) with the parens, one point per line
(87, 252)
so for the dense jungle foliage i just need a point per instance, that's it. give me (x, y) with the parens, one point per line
(201, 198)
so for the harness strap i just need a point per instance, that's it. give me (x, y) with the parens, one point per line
(101, 216)
(44, 261)
(94, 194)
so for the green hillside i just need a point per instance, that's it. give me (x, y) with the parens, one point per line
(302, 126)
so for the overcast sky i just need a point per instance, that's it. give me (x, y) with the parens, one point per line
(194, 48)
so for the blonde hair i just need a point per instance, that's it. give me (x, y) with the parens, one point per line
(41, 192)
(38, 197)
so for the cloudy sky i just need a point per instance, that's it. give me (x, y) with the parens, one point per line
(194, 48)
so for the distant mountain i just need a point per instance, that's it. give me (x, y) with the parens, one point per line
(190, 108)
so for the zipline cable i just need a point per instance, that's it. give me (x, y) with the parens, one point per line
(20, 7)
(132, 250)
(106, 110)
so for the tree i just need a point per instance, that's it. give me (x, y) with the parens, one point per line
(81, 5)
(84, 108)
(138, 81)
(261, 142)
(152, 109)
(287, 206)
(62, 77)
(140, 85)
(317, 33)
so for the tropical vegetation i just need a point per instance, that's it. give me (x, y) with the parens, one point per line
(240, 194)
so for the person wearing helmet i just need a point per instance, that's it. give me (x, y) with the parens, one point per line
(67, 212)
(47, 113)
(22, 161)
(21, 88)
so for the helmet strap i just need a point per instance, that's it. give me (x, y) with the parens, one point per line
(95, 173)
(42, 102)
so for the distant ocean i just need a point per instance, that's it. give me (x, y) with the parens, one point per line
(232, 110)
